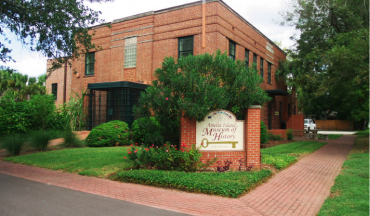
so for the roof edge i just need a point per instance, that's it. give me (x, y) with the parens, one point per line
(191, 4)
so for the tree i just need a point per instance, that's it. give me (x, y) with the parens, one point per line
(195, 85)
(57, 29)
(329, 65)
(21, 85)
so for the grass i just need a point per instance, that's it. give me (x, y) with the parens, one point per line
(282, 156)
(108, 162)
(334, 136)
(98, 162)
(350, 193)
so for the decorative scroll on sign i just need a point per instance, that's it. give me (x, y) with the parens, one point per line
(220, 130)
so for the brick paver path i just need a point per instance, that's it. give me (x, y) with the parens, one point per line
(298, 190)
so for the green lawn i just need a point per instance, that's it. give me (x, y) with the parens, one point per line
(99, 162)
(334, 136)
(109, 163)
(350, 193)
(282, 156)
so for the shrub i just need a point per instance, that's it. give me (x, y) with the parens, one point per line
(41, 109)
(13, 143)
(14, 116)
(289, 134)
(71, 139)
(263, 134)
(274, 137)
(167, 157)
(39, 140)
(112, 133)
(147, 130)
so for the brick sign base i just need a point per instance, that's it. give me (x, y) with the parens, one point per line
(250, 156)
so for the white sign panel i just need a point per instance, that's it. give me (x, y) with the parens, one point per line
(270, 47)
(220, 131)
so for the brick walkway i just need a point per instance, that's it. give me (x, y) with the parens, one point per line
(298, 190)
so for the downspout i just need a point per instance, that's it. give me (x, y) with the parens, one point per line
(204, 24)
(65, 82)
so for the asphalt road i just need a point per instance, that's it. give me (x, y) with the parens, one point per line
(24, 197)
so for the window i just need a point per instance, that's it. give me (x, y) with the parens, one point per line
(246, 58)
(261, 68)
(232, 49)
(89, 63)
(269, 72)
(130, 52)
(186, 46)
(54, 90)
(255, 61)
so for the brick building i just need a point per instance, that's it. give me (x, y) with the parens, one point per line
(133, 47)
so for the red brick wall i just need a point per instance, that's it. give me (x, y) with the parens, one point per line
(57, 76)
(252, 134)
(157, 37)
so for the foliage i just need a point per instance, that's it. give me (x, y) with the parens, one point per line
(289, 134)
(13, 143)
(41, 109)
(55, 28)
(20, 85)
(112, 133)
(279, 161)
(14, 116)
(329, 65)
(350, 193)
(264, 138)
(147, 130)
(98, 162)
(195, 85)
(282, 156)
(334, 136)
(167, 157)
(71, 139)
(75, 112)
(39, 140)
(273, 137)
(228, 184)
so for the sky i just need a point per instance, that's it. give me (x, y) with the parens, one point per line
(263, 14)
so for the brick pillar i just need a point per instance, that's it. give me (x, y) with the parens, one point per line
(188, 131)
(252, 135)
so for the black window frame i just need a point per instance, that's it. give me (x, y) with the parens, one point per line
(255, 61)
(54, 90)
(188, 51)
(269, 65)
(89, 62)
(246, 58)
(261, 67)
(232, 55)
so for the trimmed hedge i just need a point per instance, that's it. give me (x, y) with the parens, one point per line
(112, 133)
(228, 184)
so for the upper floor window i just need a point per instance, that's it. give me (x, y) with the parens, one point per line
(89, 63)
(246, 57)
(130, 52)
(261, 68)
(255, 61)
(186, 46)
(232, 49)
(269, 73)
(54, 90)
